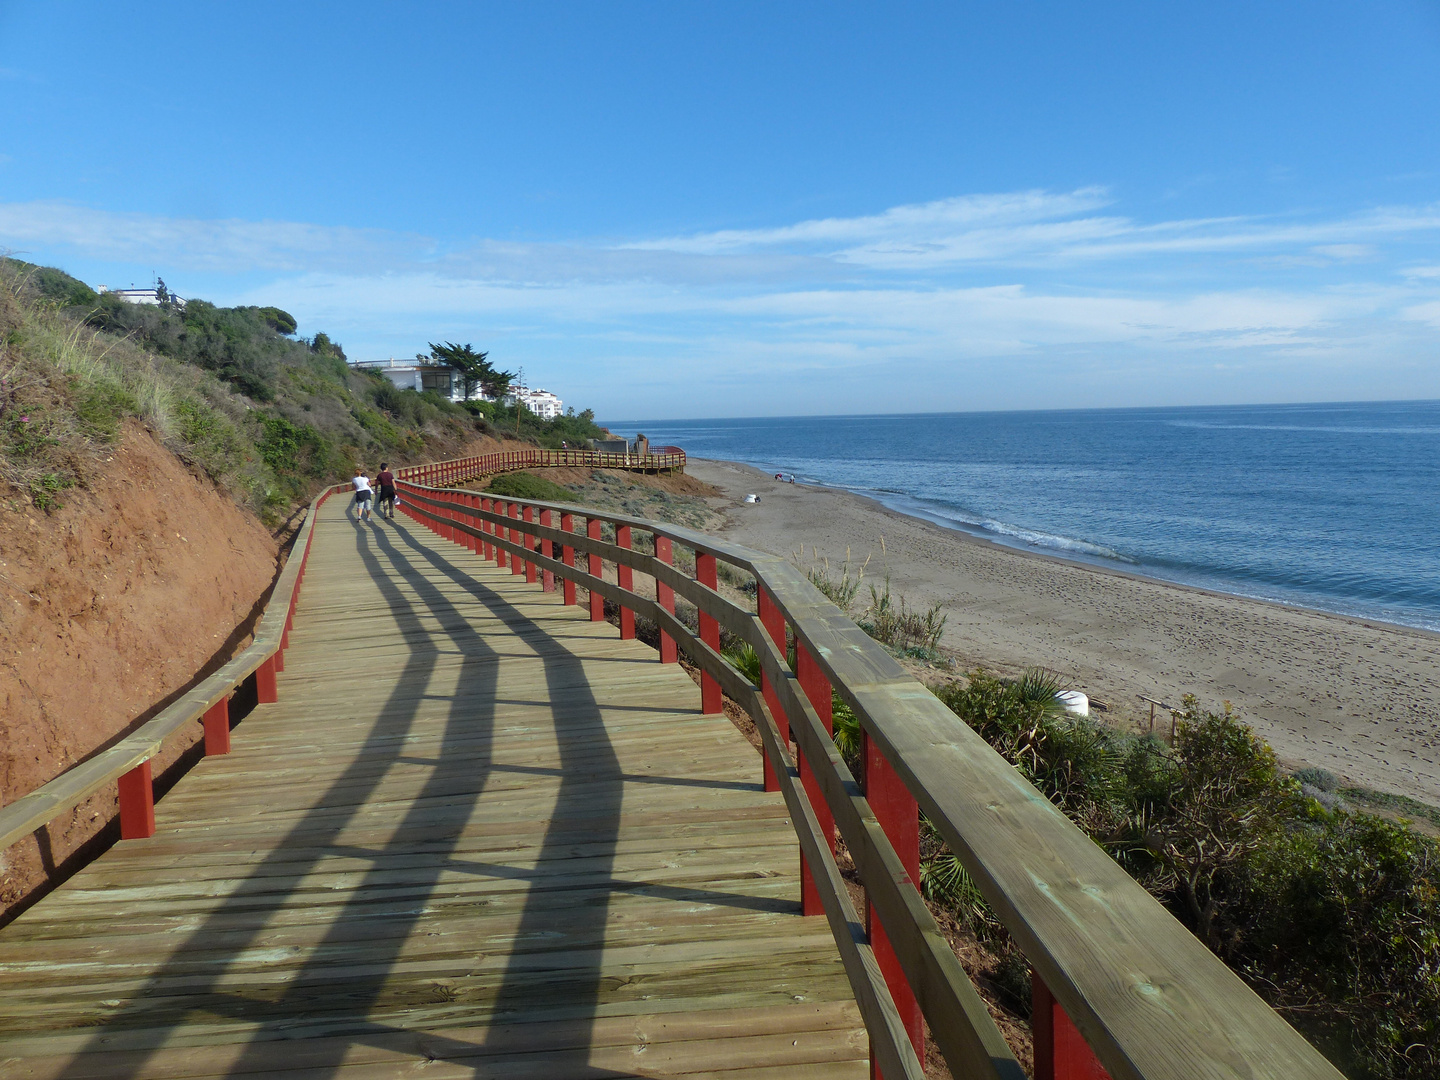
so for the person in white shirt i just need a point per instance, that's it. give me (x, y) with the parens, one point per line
(362, 494)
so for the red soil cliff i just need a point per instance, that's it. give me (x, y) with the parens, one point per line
(109, 606)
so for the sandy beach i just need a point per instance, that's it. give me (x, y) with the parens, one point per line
(1357, 697)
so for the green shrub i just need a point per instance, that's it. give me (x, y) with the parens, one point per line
(1332, 914)
(524, 485)
(890, 622)
(839, 591)
(45, 488)
(101, 408)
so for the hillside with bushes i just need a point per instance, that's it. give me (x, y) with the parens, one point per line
(151, 460)
(268, 415)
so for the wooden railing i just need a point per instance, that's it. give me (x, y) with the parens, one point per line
(441, 473)
(128, 761)
(1120, 987)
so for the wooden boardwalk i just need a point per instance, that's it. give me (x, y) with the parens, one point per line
(477, 836)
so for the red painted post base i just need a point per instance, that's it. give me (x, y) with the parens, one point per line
(137, 803)
(712, 701)
(665, 597)
(1060, 1052)
(817, 688)
(774, 622)
(896, 811)
(567, 556)
(597, 602)
(265, 689)
(217, 728)
(625, 575)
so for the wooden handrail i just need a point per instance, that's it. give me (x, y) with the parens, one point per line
(1147, 998)
(442, 473)
(128, 761)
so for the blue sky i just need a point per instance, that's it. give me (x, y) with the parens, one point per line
(672, 210)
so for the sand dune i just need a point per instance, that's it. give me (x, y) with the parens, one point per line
(1359, 698)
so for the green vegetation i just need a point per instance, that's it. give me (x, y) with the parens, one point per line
(911, 633)
(524, 485)
(474, 369)
(573, 430)
(1332, 915)
(269, 416)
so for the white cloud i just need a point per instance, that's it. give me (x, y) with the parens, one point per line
(196, 244)
(1027, 278)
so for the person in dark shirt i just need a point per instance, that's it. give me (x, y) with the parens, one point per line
(385, 480)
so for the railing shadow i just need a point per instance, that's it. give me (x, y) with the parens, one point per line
(375, 921)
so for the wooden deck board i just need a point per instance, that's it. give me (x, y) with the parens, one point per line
(478, 835)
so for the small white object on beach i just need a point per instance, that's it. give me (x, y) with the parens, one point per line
(752, 498)
(1074, 701)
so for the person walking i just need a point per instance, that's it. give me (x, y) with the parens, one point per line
(386, 481)
(362, 494)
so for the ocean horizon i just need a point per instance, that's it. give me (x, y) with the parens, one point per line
(1330, 506)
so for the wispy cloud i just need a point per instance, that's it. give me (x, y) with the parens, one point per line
(225, 245)
(929, 289)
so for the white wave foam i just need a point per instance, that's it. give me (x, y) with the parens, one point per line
(1056, 543)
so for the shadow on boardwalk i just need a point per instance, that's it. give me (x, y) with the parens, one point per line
(326, 1000)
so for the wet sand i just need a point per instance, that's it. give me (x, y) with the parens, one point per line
(1357, 697)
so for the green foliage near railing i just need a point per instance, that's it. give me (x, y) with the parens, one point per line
(840, 590)
(572, 429)
(1333, 916)
(523, 485)
(890, 621)
(268, 415)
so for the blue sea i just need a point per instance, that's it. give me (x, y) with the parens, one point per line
(1333, 506)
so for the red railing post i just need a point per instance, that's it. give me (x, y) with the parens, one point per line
(529, 542)
(817, 688)
(485, 505)
(597, 602)
(500, 533)
(774, 623)
(137, 803)
(1060, 1051)
(217, 728)
(517, 564)
(567, 556)
(266, 692)
(626, 578)
(896, 811)
(665, 597)
(711, 700)
(547, 549)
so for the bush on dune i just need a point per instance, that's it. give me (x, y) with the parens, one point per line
(1332, 916)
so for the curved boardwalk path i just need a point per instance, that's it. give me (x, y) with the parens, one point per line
(478, 836)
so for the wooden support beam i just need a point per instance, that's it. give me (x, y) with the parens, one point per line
(597, 601)
(567, 556)
(665, 597)
(711, 699)
(896, 811)
(137, 803)
(817, 688)
(625, 576)
(774, 623)
(217, 728)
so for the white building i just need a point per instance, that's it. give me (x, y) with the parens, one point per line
(418, 375)
(542, 403)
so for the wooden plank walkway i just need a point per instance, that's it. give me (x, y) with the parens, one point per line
(478, 836)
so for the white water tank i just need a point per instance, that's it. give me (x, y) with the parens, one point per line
(1075, 702)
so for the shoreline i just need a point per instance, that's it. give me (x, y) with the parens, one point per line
(1355, 695)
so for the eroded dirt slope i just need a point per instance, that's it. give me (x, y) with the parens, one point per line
(108, 606)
